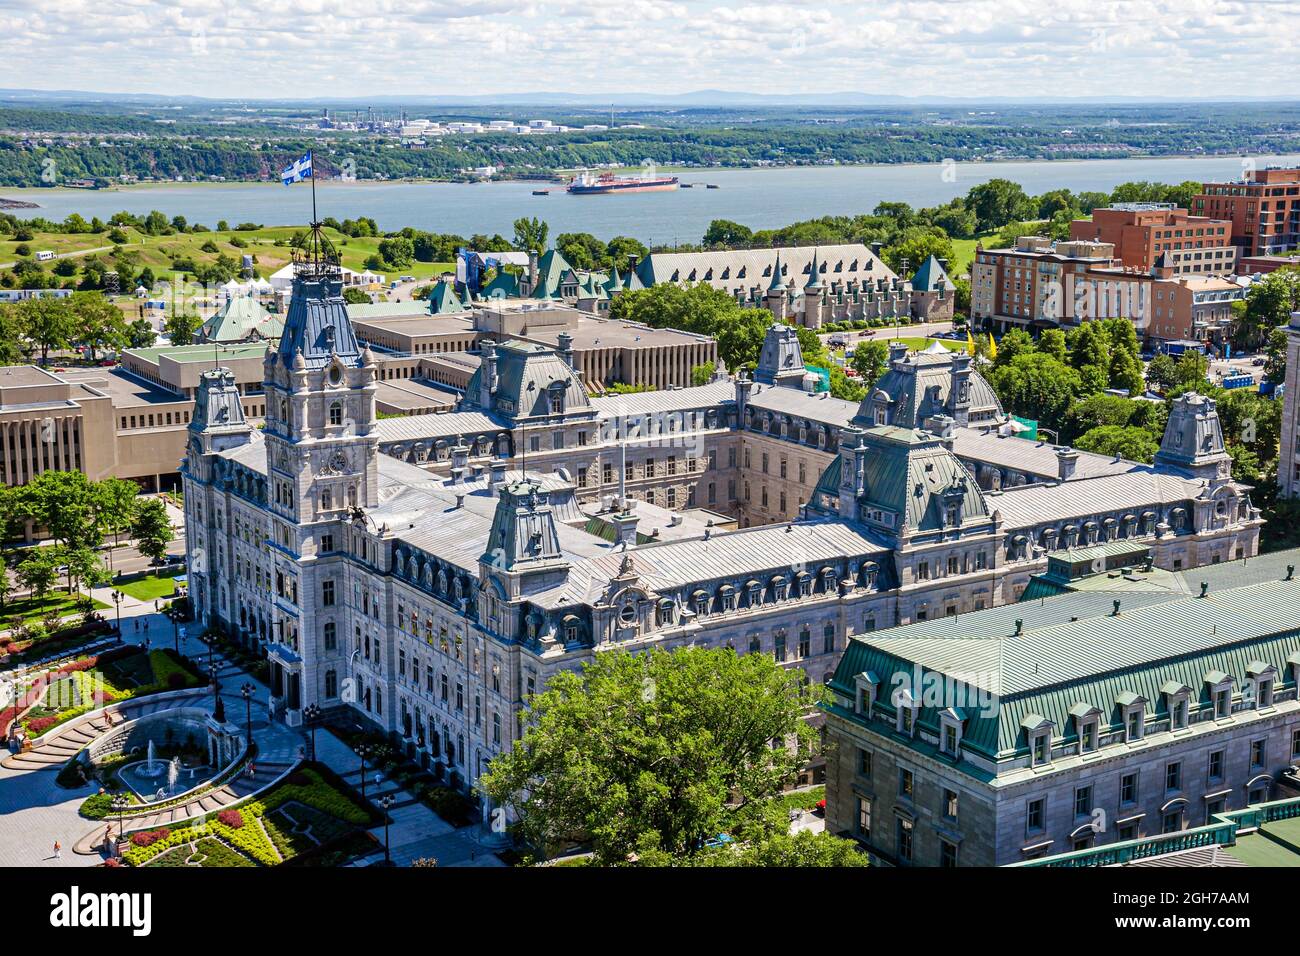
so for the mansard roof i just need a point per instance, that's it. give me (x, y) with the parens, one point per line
(527, 373)
(317, 324)
(919, 386)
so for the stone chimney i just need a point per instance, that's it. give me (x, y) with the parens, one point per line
(624, 521)
(532, 271)
(1067, 459)
(487, 379)
(744, 385)
(498, 474)
(959, 388)
(564, 347)
(897, 351)
(459, 462)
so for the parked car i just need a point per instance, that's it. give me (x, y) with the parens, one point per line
(1258, 360)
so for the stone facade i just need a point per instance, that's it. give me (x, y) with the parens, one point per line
(433, 572)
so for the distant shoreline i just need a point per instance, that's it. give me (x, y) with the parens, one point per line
(9, 203)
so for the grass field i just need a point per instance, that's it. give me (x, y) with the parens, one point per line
(963, 252)
(149, 588)
(269, 247)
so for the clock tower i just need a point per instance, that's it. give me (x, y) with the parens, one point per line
(322, 472)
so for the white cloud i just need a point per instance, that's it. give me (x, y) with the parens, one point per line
(354, 48)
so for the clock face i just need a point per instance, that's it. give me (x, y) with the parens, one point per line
(338, 461)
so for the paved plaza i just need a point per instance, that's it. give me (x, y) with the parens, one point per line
(37, 812)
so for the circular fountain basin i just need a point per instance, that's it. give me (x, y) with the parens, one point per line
(151, 784)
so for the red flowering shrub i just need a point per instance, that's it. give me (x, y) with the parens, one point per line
(39, 725)
(231, 818)
(148, 837)
(85, 664)
(112, 861)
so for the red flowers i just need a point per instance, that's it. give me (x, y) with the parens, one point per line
(231, 818)
(149, 837)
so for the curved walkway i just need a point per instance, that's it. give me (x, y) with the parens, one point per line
(37, 811)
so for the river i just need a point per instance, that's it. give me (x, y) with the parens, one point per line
(759, 198)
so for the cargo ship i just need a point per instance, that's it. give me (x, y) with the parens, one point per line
(589, 185)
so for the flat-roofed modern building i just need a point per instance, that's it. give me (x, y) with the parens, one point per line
(1142, 232)
(1127, 702)
(1288, 463)
(1263, 207)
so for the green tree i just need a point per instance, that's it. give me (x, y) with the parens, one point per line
(140, 334)
(1275, 356)
(38, 572)
(703, 374)
(152, 529)
(1036, 386)
(1135, 444)
(531, 233)
(354, 296)
(85, 569)
(773, 849)
(181, 327)
(869, 361)
(99, 324)
(1052, 342)
(61, 502)
(581, 250)
(398, 252)
(998, 202)
(725, 234)
(48, 323)
(114, 501)
(655, 752)
(1013, 343)
(1269, 304)
(915, 245)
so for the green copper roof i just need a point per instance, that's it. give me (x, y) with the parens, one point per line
(615, 282)
(551, 268)
(443, 299)
(778, 280)
(931, 277)
(242, 319)
(1073, 651)
(504, 284)
(814, 274)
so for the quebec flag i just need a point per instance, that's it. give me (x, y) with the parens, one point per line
(297, 171)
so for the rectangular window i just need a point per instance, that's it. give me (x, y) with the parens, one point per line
(864, 762)
(864, 818)
(327, 593)
(905, 784)
(1034, 815)
(1128, 789)
(950, 804)
(1216, 766)
(1258, 750)
(1082, 801)
(947, 854)
(905, 840)
(1295, 743)
(1174, 776)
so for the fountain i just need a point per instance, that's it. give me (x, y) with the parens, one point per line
(153, 767)
(173, 773)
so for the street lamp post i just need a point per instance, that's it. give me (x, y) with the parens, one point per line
(311, 714)
(117, 600)
(384, 804)
(119, 804)
(363, 751)
(247, 691)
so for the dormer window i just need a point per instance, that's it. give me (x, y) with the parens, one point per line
(1219, 685)
(905, 712)
(1261, 677)
(1087, 720)
(1133, 709)
(867, 685)
(950, 727)
(1042, 748)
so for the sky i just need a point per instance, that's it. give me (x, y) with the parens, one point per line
(282, 49)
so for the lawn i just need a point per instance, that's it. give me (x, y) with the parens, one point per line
(963, 252)
(151, 587)
(34, 609)
(269, 247)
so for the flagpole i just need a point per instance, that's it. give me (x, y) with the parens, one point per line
(311, 161)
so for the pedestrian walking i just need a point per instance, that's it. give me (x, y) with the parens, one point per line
(58, 850)
(379, 778)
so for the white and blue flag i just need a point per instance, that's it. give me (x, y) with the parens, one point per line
(297, 171)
